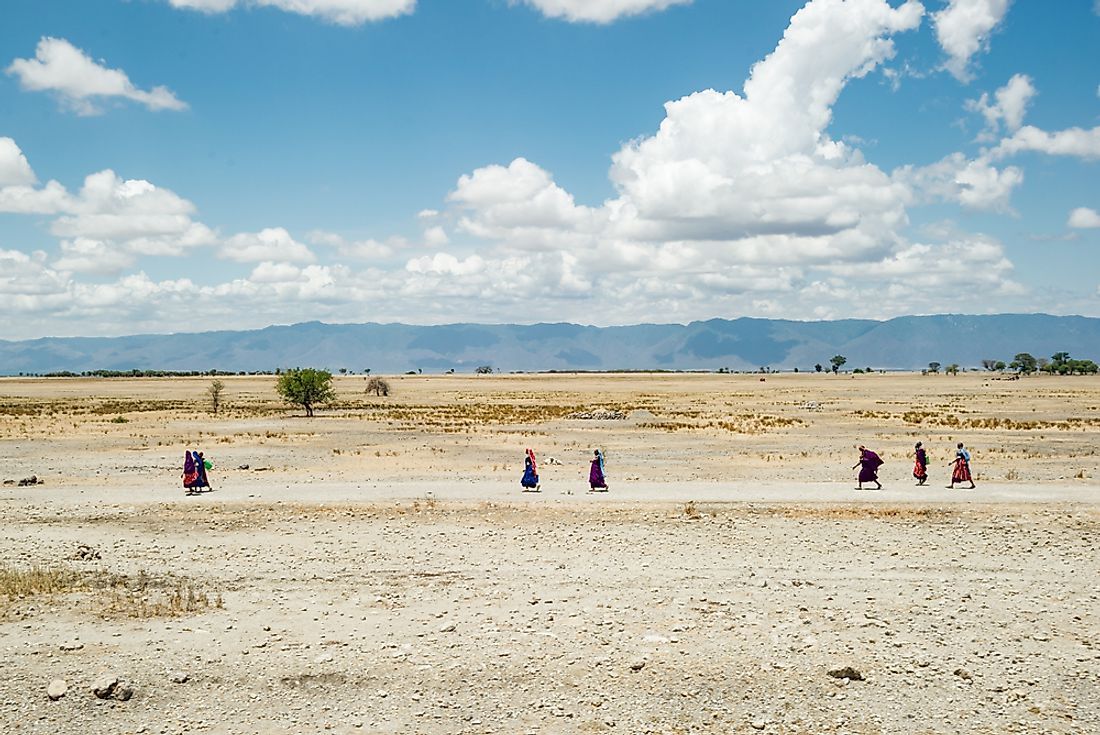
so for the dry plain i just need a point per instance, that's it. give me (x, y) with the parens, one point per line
(375, 569)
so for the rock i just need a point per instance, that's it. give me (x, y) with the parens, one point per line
(963, 674)
(104, 686)
(637, 664)
(242, 467)
(72, 646)
(447, 628)
(179, 677)
(123, 693)
(57, 688)
(758, 724)
(28, 481)
(84, 552)
(846, 672)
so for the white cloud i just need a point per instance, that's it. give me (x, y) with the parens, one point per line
(366, 250)
(268, 272)
(435, 237)
(84, 255)
(737, 203)
(1084, 218)
(271, 244)
(80, 82)
(975, 184)
(1008, 108)
(599, 11)
(14, 169)
(341, 12)
(1075, 142)
(134, 213)
(963, 29)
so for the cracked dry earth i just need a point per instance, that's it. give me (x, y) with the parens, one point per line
(560, 616)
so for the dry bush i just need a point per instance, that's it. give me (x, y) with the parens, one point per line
(691, 512)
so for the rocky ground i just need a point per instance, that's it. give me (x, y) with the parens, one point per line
(376, 569)
(560, 615)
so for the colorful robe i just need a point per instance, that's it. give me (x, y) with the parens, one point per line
(530, 471)
(190, 471)
(596, 477)
(869, 463)
(920, 468)
(961, 473)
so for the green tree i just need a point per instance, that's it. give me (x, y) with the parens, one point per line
(484, 370)
(1024, 363)
(1000, 365)
(837, 362)
(933, 367)
(306, 387)
(952, 369)
(818, 367)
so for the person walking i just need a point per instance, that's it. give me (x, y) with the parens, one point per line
(530, 479)
(961, 471)
(868, 464)
(597, 480)
(920, 465)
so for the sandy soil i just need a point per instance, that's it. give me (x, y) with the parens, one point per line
(376, 569)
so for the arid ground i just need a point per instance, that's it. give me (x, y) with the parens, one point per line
(376, 569)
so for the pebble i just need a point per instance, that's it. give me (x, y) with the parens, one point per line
(57, 688)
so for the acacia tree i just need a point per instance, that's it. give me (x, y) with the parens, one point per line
(838, 362)
(933, 367)
(215, 392)
(484, 370)
(306, 387)
(1024, 363)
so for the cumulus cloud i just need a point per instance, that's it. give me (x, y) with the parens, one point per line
(84, 255)
(963, 29)
(269, 244)
(599, 11)
(740, 202)
(1084, 218)
(1074, 142)
(81, 83)
(341, 12)
(1006, 109)
(975, 184)
(14, 169)
(132, 213)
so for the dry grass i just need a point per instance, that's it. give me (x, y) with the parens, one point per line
(20, 583)
(114, 595)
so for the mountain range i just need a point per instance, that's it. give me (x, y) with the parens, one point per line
(903, 343)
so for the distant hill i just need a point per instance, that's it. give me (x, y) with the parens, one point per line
(740, 344)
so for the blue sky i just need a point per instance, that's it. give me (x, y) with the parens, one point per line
(177, 165)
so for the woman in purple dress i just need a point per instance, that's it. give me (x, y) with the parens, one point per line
(868, 464)
(596, 478)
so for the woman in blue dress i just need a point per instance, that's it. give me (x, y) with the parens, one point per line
(530, 479)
